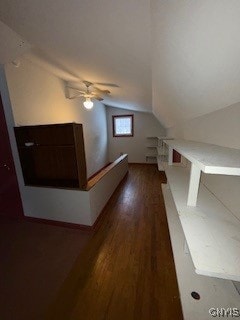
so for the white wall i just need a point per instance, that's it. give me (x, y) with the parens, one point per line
(145, 124)
(222, 128)
(38, 97)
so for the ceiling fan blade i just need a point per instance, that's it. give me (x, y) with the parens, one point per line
(91, 91)
(77, 95)
(95, 95)
(87, 83)
(113, 85)
(76, 89)
(98, 98)
(102, 91)
(71, 93)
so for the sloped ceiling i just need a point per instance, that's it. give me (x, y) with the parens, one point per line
(178, 58)
(196, 60)
(12, 45)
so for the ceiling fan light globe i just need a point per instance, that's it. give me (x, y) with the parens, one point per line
(88, 104)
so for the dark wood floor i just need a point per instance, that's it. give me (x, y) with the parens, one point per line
(35, 259)
(126, 271)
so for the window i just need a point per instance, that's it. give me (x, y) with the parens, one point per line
(123, 126)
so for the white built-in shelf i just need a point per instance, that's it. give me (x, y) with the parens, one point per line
(207, 157)
(151, 158)
(152, 137)
(160, 160)
(159, 164)
(213, 291)
(162, 151)
(164, 138)
(159, 137)
(159, 151)
(150, 155)
(212, 231)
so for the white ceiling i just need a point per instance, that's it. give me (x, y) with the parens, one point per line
(179, 58)
(12, 45)
(196, 57)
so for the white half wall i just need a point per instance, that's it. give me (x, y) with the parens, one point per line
(222, 128)
(145, 124)
(73, 206)
(102, 191)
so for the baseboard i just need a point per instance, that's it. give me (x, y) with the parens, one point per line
(59, 223)
(148, 163)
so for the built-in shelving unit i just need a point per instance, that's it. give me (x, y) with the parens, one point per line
(162, 152)
(157, 151)
(208, 157)
(151, 154)
(204, 157)
(214, 292)
(211, 230)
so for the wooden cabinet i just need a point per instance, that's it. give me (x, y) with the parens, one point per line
(52, 155)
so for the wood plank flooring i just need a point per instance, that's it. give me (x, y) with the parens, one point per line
(35, 259)
(126, 271)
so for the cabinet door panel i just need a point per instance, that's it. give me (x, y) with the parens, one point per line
(52, 155)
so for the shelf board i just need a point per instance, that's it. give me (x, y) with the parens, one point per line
(211, 230)
(151, 155)
(209, 158)
(152, 137)
(164, 138)
(213, 291)
(159, 137)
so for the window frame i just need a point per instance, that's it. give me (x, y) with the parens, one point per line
(115, 135)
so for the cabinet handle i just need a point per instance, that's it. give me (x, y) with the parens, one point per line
(29, 144)
(6, 166)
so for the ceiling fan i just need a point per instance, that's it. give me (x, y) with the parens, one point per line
(91, 92)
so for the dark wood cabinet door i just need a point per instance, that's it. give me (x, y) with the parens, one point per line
(10, 200)
(52, 155)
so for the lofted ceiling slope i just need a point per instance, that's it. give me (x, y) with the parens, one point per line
(12, 45)
(195, 57)
(178, 58)
(99, 41)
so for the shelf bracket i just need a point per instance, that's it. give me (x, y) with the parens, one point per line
(170, 156)
(193, 185)
(186, 250)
